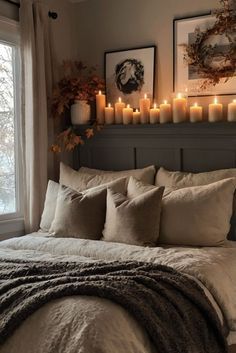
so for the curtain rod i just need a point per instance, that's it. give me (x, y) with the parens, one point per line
(51, 14)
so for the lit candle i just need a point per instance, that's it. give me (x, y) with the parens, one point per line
(195, 113)
(127, 115)
(232, 111)
(215, 111)
(109, 114)
(136, 117)
(144, 104)
(119, 106)
(154, 114)
(100, 107)
(179, 109)
(165, 112)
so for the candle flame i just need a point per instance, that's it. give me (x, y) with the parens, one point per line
(195, 104)
(165, 101)
(154, 106)
(215, 100)
(128, 105)
(109, 105)
(145, 96)
(136, 110)
(179, 95)
(100, 92)
(234, 101)
(119, 100)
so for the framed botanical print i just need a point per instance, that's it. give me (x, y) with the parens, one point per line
(129, 74)
(188, 77)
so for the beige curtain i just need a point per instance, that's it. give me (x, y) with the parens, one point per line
(36, 90)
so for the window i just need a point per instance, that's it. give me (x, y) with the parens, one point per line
(10, 152)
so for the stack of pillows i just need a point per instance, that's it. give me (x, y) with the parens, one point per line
(180, 209)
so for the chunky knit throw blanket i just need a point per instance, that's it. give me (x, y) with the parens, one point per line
(170, 306)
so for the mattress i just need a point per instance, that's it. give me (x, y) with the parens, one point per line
(55, 327)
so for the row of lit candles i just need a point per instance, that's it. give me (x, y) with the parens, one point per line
(122, 114)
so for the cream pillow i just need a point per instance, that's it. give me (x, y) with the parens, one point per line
(145, 174)
(135, 218)
(49, 206)
(181, 179)
(198, 215)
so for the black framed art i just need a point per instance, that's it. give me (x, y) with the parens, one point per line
(186, 76)
(130, 74)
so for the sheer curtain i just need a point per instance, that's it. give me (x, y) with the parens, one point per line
(36, 90)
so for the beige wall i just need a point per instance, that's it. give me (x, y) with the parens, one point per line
(101, 25)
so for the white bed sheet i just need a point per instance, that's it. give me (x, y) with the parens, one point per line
(55, 324)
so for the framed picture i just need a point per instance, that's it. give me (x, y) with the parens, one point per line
(186, 76)
(129, 74)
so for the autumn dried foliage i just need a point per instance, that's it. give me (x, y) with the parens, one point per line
(78, 82)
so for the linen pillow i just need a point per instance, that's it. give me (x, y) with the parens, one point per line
(49, 206)
(94, 177)
(133, 220)
(182, 180)
(198, 215)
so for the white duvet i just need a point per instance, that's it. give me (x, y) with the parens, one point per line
(93, 325)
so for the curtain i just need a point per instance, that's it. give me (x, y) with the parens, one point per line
(36, 91)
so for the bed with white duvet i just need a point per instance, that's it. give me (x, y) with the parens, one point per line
(83, 324)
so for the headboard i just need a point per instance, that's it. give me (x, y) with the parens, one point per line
(192, 147)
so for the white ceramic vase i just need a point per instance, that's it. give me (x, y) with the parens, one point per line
(80, 113)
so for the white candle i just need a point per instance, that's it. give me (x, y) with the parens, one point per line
(232, 111)
(195, 113)
(136, 117)
(127, 115)
(179, 109)
(144, 104)
(109, 114)
(100, 107)
(119, 106)
(154, 114)
(165, 112)
(215, 111)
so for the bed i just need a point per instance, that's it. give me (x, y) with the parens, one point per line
(92, 324)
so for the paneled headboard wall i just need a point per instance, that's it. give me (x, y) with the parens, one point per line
(192, 147)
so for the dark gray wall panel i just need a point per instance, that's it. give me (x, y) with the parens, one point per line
(200, 160)
(168, 158)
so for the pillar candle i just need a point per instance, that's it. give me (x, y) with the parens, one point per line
(127, 115)
(144, 104)
(154, 114)
(232, 111)
(100, 107)
(179, 109)
(119, 106)
(215, 112)
(109, 114)
(136, 117)
(165, 112)
(195, 113)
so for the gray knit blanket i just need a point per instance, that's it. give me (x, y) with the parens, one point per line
(170, 306)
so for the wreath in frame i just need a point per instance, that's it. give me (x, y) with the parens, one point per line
(200, 53)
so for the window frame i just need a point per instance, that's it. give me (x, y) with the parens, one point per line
(13, 223)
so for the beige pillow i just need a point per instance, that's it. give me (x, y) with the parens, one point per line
(133, 220)
(49, 206)
(82, 215)
(145, 174)
(181, 179)
(198, 215)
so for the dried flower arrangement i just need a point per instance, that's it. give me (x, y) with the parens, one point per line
(78, 82)
(200, 53)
